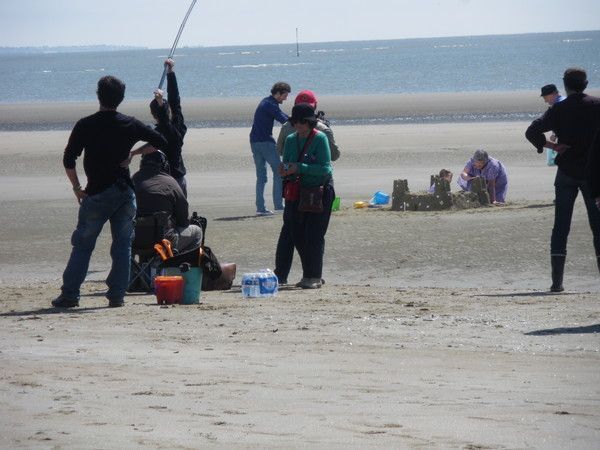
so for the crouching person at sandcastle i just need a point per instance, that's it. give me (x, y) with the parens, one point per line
(444, 174)
(481, 165)
(105, 138)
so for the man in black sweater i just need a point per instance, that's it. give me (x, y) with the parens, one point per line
(576, 124)
(106, 139)
(170, 123)
(155, 191)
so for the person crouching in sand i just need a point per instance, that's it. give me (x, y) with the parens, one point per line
(481, 165)
(444, 174)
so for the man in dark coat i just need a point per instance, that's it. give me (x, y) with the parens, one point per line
(576, 123)
(105, 139)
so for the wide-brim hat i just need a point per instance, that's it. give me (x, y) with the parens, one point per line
(303, 111)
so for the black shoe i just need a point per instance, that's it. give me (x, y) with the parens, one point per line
(558, 288)
(63, 302)
(115, 302)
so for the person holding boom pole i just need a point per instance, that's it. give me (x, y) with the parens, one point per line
(170, 123)
(168, 116)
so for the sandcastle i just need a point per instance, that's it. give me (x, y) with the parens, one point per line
(441, 198)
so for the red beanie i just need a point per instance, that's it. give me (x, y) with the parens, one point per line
(306, 96)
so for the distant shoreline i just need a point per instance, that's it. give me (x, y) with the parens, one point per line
(113, 47)
(343, 109)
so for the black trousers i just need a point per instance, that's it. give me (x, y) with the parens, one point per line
(305, 232)
(566, 189)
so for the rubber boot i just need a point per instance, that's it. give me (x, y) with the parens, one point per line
(558, 270)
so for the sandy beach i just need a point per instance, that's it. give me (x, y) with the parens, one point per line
(434, 329)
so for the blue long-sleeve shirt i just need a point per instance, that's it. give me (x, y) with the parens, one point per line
(265, 115)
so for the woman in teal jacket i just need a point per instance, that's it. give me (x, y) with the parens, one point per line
(307, 161)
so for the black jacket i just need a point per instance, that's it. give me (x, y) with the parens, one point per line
(576, 122)
(173, 129)
(158, 191)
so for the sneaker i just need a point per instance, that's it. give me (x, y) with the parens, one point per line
(310, 283)
(301, 282)
(266, 212)
(63, 302)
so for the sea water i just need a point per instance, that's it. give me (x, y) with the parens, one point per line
(451, 64)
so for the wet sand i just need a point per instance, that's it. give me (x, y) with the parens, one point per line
(339, 108)
(433, 329)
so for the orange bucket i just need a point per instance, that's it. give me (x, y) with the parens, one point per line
(168, 289)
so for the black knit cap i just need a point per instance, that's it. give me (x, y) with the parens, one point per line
(155, 159)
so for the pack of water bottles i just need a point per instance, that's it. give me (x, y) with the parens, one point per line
(263, 283)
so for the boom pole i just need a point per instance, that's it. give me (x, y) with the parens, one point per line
(172, 52)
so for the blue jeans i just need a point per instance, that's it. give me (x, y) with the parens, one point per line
(266, 152)
(566, 190)
(117, 205)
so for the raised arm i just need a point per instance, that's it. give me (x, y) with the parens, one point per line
(174, 99)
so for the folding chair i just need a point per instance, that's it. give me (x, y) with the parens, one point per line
(149, 230)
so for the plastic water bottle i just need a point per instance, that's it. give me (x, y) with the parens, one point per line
(250, 287)
(269, 285)
(263, 283)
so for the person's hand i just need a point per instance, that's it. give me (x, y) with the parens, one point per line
(290, 169)
(553, 137)
(281, 169)
(125, 163)
(560, 148)
(169, 63)
(80, 194)
(158, 96)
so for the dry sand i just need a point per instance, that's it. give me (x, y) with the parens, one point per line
(433, 330)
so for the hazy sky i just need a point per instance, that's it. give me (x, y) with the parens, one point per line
(153, 23)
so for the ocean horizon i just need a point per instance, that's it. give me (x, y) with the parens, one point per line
(423, 65)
